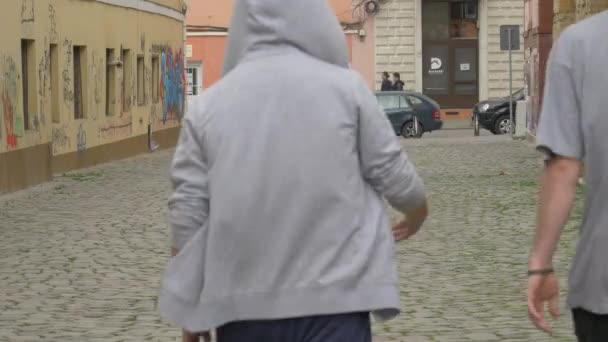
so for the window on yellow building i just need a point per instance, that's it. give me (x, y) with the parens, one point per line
(28, 77)
(80, 81)
(110, 82)
(127, 80)
(141, 90)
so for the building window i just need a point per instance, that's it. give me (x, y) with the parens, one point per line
(141, 90)
(54, 62)
(80, 81)
(127, 80)
(194, 78)
(110, 82)
(463, 20)
(28, 76)
(155, 78)
(435, 21)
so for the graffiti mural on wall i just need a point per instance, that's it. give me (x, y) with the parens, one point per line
(81, 139)
(148, 83)
(9, 120)
(60, 139)
(172, 84)
(117, 129)
(27, 11)
(8, 94)
(53, 24)
(96, 72)
(68, 93)
(44, 83)
(44, 71)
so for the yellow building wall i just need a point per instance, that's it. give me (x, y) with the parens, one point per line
(59, 26)
(567, 12)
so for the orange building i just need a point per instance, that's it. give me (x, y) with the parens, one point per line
(207, 29)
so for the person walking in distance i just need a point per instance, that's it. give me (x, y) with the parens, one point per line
(572, 132)
(398, 84)
(280, 231)
(386, 82)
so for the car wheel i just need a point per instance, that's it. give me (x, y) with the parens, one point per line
(502, 125)
(409, 130)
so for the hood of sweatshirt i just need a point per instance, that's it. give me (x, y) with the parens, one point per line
(261, 25)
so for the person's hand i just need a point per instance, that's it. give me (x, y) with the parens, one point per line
(195, 337)
(404, 230)
(543, 290)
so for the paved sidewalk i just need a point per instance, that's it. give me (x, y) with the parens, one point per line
(82, 255)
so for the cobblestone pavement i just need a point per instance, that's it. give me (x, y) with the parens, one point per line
(82, 255)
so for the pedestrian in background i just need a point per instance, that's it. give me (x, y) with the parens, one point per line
(398, 84)
(281, 232)
(572, 131)
(387, 85)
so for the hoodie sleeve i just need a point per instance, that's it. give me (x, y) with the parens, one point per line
(385, 165)
(189, 202)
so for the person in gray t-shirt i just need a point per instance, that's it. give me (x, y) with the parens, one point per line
(573, 132)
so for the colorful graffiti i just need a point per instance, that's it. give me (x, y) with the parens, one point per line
(81, 139)
(118, 128)
(9, 120)
(172, 90)
(8, 92)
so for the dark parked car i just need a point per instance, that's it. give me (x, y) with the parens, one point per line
(401, 106)
(494, 113)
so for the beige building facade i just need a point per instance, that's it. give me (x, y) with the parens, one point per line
(449, 49)
(545, 20)
(86, 81)
(568, 12)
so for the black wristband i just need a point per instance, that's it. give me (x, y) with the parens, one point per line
(542, 272)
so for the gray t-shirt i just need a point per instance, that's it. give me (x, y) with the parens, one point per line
(574, 123)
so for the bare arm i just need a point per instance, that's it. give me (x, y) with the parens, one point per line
(560, 136)
(417, 217)
(411, 224)
(557, 194)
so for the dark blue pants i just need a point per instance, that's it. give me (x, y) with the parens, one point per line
(353, 327)
(590, 327)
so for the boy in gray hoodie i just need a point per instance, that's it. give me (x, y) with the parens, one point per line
(279, 177)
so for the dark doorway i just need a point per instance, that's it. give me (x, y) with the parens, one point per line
(450, 52)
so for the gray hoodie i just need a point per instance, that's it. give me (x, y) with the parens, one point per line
(278, 180)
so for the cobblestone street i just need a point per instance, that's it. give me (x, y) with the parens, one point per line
(82, 255)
